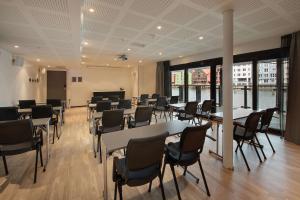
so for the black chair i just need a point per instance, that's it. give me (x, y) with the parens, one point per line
(187, 152)
(112, 120)
(141, 164)
(9, 113)
(189, 111)
(124, 104)
(174, 99)
(142, 117)
(46, 111)
(95, 99)
(161, 106)
(103, 105)
(155, 96)
(143, 99)
(247, 132)
(16, 137)
(26, 103)
(114, 98)
(56, 103)
(205, 110)
(264, 124)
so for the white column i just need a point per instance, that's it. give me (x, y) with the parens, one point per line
(227, 89)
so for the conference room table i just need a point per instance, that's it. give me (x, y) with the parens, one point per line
(28, 111)
(118, 140)
(238, 114)
(92, 106)
(44, 122)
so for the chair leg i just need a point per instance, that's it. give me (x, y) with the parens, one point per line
(120, 190)
(261, 148)
(165, 116)
(239, 146)
(100, 150)
(203, 176)
(270, 142)
(5, 165)
(161, 186)
(116, 188)
(256, 151)
(36, 163)
(57, 131)
(150, 185)
(164, 168)
(236, 149)
(184, 172)
(41, 157)
(175, 181)
(54, 130)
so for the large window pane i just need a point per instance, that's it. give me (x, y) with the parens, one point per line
(242, 84)
(218, 86)
(267, 84)
(199, 84)
(177, 84)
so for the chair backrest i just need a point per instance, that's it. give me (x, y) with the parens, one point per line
(103, 105)
(266, 117)
(174, 99)
(143, 114)
(114, 98)
(112, 118)
(16, 132)
(26, 103)
(9, 113)
(43, 111)
(252, 122)
(144, 97)
(192, 139)
(191, 107)
(96, 99)
(155, 96)
(162, 101)
(143, 153)
(207, 106)
(54, 102)
(124, 104)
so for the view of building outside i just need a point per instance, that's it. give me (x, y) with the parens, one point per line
(177, 84)
(199, 84)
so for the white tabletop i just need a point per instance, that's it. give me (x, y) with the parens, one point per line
(29, 110)
(119, 139)
(94, 105)
(97, 115)
(237, 113)
(40, 121)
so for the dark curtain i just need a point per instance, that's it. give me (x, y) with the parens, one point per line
(293, 106)
(163, 84)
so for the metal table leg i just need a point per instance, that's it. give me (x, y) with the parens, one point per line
(105, 185)
(47, 146)
(216, 153)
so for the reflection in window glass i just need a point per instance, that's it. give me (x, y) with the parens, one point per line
(199, 84)
(218, 86)
(177, 84)
(267, 70)
(242, 84)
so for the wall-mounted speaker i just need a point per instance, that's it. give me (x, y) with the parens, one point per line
(18, 61)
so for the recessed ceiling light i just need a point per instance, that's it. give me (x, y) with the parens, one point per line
(38, 60)
(84, 56)
(128, 66)
(83, 63)
(115, 59)
(200, 37)
(160, 53)
(48, 66)
(92, 10)
(159, 27)
(107, 64)
(16, 46)
(140, 61)
(85, 43)
(180, 56)
(128, 49)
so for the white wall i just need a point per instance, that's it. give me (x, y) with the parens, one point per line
(14, 81)
(147, 78)
(98, 79)
(259, 45)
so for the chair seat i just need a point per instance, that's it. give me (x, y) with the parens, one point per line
(202, 114)
(137, 177)
(183, 116)
(239, 134)
(160, 108)
(133, 124)
(19, 148)
(173, 155)
(53, 121)
(107, 130)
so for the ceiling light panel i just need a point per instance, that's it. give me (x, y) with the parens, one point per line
(52, 20)
(50, 5)
(182, 14)
(11, 14)
(151, 8)
(166, 29)
(134, 21)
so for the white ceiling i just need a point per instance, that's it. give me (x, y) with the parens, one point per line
(54, 30)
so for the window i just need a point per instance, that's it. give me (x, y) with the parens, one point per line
(177, 84)
(199, 84)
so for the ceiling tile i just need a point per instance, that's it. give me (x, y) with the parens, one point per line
(182, 14)
(290, 5)
(134, 21)
(102, 12)
(258, 16)
(50, 5)
(57, 34)
(97, 27)
(11, 14)
(271, 25)
(110, 2)
(124, 33)
(183, 34)
(165, 30)
(208, 3)
(151, 8)
(242, 7)
(206, 22)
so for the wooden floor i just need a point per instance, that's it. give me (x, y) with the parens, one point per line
(73, 172)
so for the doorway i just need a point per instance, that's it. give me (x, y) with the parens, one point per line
(56, 85)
